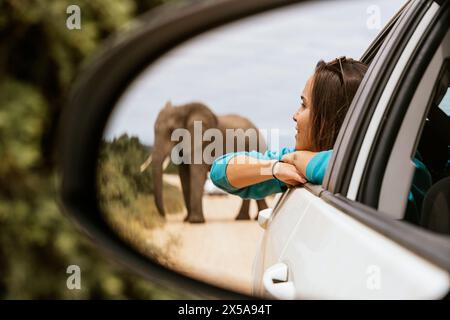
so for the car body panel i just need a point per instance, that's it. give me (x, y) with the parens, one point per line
(331, 255)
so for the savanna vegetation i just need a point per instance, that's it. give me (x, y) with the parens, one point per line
(126, 194)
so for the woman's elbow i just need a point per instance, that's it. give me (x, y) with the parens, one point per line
(214, 174)
(218, 173)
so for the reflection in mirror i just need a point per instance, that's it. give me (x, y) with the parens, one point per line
(247, 75)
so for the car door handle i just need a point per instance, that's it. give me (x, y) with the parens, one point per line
(276, 284)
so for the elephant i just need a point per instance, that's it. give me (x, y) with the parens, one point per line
(193, 175)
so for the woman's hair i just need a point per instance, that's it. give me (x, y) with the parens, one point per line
(331, 96)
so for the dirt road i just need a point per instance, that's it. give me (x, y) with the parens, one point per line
(220, 251)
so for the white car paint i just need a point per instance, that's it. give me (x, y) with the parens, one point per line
(330, 255)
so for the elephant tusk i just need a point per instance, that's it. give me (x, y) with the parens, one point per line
(146, 163)
(166, 163)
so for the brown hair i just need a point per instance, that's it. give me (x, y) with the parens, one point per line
(331, 96)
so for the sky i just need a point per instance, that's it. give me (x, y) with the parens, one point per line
(256, 67)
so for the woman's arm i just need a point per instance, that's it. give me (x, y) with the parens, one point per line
(251, 176)
(300, 159)
(243, 171)
(248, 182)
(312, 165)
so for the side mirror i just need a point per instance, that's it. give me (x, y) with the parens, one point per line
(109, 135)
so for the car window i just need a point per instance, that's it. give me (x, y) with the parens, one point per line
(445, 103)
(433, 180)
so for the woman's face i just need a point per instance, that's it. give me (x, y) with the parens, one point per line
(302, 118)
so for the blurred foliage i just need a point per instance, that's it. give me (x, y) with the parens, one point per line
(126, 194)
(121, 179)
(171, 168)
(39, 59)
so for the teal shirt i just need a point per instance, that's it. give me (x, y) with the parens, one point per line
(315, 172)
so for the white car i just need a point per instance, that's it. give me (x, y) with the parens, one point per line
(348, 238)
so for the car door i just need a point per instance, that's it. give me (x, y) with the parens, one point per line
(346, 238)
(282, 228)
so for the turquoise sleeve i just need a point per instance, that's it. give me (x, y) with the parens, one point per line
(317, 166)
(257, 191)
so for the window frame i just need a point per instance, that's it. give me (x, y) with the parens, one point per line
(432, 246)
(370, 186)
(342, 162)
(406, 143)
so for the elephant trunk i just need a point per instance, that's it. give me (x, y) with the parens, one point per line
(157, 162)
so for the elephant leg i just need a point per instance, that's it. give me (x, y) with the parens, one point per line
(198, 174)
(244, 211)
(185, 185)
(262, 204)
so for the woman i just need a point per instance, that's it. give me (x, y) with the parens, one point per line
(324, 103)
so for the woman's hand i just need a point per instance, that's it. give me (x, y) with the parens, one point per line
(299, 159)
(288, 174)
(243, 171)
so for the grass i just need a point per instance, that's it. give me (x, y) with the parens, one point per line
(133, 223)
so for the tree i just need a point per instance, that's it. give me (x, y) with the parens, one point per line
(39, 59)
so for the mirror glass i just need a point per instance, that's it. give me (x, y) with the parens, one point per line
(245, 75)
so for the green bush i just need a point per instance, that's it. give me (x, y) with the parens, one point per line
(126, 193)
